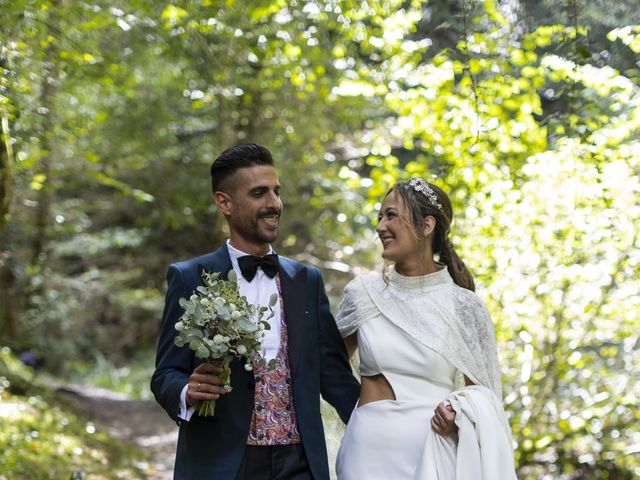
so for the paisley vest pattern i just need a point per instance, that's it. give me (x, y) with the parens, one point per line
(274, 420)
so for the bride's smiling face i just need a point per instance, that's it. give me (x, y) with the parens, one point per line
(399, 243)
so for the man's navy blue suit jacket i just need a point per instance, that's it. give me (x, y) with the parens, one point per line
(212, 448)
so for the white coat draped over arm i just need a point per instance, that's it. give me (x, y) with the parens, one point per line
(484, 449)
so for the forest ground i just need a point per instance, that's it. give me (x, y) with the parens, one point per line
(142, 423)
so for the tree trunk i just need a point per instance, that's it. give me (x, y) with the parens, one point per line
(8, 314)
(6, 170)
(47, 101)
(8, 304)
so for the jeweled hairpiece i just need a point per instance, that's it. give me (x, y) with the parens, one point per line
(420, 185)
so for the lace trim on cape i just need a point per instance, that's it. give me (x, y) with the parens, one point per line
(439, 315)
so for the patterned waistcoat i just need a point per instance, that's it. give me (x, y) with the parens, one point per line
(274, 420)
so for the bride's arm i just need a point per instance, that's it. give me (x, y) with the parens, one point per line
(354, 310)
(351, 342)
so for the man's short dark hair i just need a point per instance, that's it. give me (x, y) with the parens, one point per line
(240, 156)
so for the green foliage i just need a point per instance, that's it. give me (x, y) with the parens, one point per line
(629, 35)
(130, 377)
(561, 284)
(42, 438)
(14, 376)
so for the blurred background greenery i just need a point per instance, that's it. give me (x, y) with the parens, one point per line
(526, 111)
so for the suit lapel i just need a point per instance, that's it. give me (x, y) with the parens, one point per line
(293, 285)
(218, 262)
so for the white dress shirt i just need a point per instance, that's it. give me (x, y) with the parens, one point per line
(258, 292)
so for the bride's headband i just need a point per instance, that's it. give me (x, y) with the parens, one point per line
(420, 185)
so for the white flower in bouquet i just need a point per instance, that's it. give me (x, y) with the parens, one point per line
(219, 325)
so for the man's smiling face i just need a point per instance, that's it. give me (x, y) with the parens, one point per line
(253, 208)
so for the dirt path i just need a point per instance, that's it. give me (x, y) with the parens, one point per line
(139, 422)
(144, 423)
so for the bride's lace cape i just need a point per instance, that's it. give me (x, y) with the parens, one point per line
(433, 311)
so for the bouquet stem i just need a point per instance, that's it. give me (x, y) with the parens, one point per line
(207, 408)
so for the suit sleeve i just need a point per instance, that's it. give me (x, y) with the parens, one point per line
(173, 364)
(338, 386)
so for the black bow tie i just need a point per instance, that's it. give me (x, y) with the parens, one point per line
(249, 265)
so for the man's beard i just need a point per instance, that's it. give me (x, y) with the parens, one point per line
(256, 234)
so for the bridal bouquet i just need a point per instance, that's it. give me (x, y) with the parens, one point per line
(219, 325)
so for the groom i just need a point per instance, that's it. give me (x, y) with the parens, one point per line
(268, 426)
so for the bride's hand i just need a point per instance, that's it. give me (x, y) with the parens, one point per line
(443, 422)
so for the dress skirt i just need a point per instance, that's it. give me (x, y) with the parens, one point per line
(384, 440)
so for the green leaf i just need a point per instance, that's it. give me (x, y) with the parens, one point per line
(246, 325)
(273, 299)
(193, 332)
(202, 351)
(173, 14)
(232, 276)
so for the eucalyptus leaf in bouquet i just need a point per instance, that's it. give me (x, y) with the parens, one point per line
(219, 324)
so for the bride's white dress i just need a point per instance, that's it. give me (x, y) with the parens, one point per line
(422, 334)
(385, 439)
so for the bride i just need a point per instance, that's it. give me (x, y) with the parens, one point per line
(430, 404)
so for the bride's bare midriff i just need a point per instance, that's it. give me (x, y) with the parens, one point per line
(374, 389)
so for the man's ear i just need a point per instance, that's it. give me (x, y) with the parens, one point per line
(223, 202)
(429, 225)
